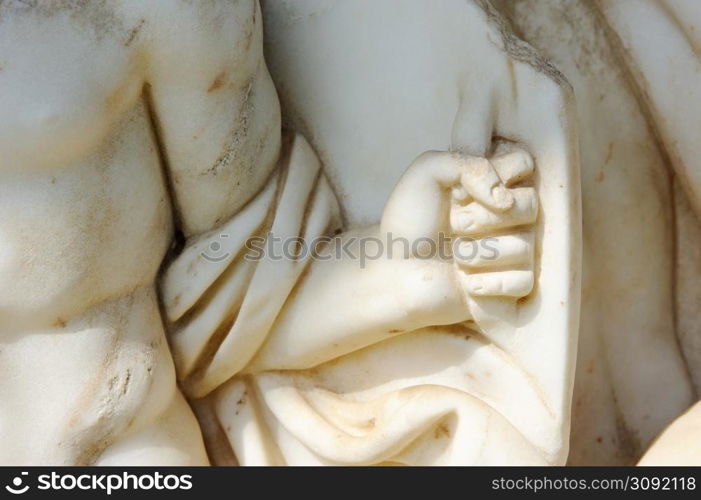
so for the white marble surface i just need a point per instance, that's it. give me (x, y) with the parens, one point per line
(373, 92)
(638, 360)
(144, 146)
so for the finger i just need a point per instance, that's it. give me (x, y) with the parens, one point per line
(442, 167)
(504, 283)
(513, 164)
(495, 251)
(476, 218)
(429, 175)
(482, 182)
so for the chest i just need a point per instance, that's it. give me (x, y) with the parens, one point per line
(62, 85)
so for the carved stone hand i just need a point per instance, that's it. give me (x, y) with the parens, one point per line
(482, 205)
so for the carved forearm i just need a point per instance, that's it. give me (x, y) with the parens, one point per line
(344, 304)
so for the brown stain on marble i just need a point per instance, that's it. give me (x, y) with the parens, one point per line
(441, 431)
(609, 155)
(217, 83)
(134, 32)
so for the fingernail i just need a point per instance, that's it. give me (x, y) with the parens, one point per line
(502, 197)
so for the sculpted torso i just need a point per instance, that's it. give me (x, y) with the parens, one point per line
(87, 220)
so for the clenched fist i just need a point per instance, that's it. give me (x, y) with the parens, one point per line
(480, 204)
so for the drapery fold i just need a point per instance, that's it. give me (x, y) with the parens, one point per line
(221, 297)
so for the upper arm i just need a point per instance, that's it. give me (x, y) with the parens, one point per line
(215, 105)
